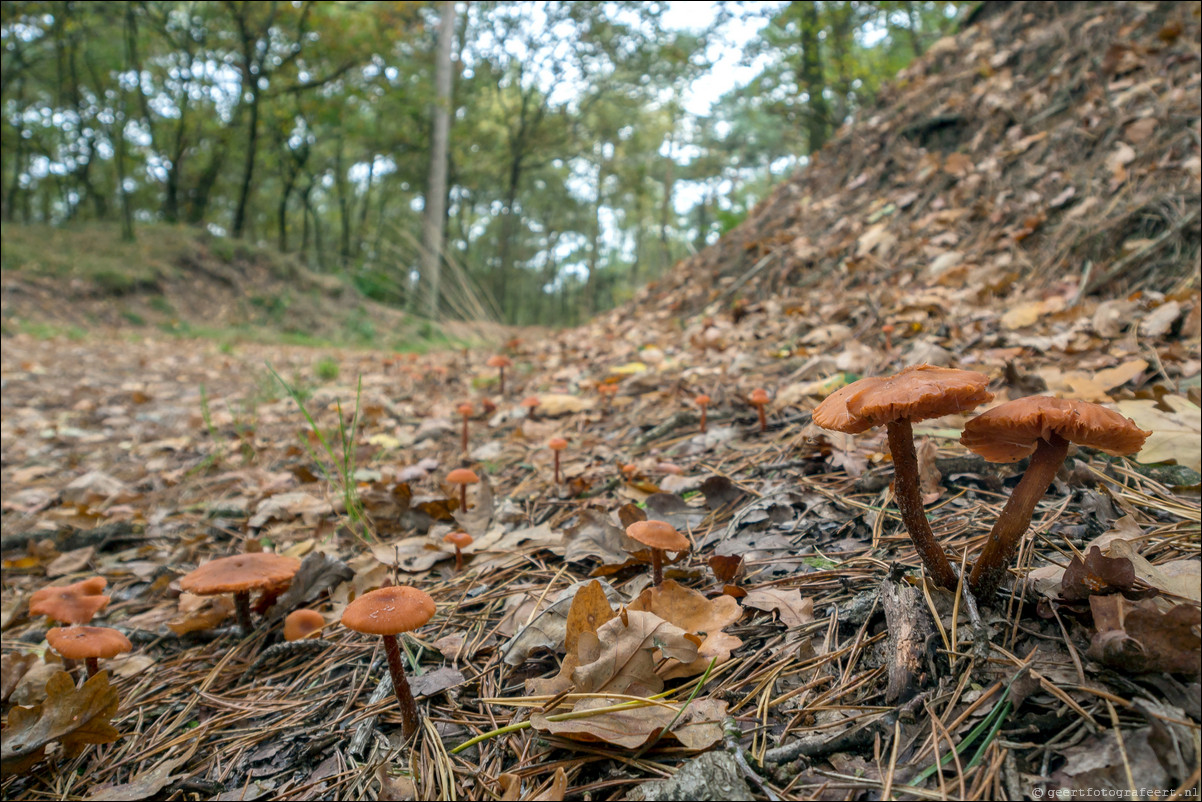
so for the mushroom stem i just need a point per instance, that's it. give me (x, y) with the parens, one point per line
(763, 419)
(93, 664)
(657, 567)
(556, 453)
(1012, 524)
(909, 503)
(464, 438)
(242, 609)
(458, 558)
(502, 370)
(463, 497)
(404, 696)
(703, 418)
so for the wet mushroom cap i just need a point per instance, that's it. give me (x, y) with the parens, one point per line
(759, 396)
(77, 603)
(302, 623)
(389, 611)
(241, 573)
(498, 361)
(459, 539)
(463, 476)
(1011, 431)
(80, 643)
(916, 393)
(658, 535)
(557, 444)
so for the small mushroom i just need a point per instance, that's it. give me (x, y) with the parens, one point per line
(759, 399)
(388, 612)
(500, 362)
(1041, 427)
(239, 575)
(661, 537)
(916, 393)
(77, 603)
(702, 401)
(463, 477)
(88, 644)
(302, 624)
(464, 409)
(557, 444)
(460, 540)
(530, 403)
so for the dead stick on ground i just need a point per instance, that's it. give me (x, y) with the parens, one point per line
(910, 627)
(365, 729)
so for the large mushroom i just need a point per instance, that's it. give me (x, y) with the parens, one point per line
(88, 644)
(239, 575)
(1042, 427)
(76, 603)
(661, 536)
(916, 393)
(388, 612)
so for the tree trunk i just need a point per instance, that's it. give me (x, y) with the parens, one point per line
(433, 222)
(810, 78)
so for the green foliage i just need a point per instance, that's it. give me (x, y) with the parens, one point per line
(326, 369)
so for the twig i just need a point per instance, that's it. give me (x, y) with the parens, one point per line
(365, 729)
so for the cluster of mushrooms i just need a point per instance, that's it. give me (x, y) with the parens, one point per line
(1039, 427)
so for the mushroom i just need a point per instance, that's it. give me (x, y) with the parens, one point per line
(916, 393)
(464, 409)
(500, 362)
(759, 399)
(702, 401)
(557, 444)
(88, 644)
(463, 477)
(1042, 427)
(77, 603)
(607, 393)
(302, 624)
(388, 612)
(661, 537)
(239, 575)
(530, 403)
(460, 540)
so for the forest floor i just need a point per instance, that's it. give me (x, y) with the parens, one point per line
(138, 459)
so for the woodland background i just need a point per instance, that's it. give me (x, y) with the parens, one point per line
(576, 169)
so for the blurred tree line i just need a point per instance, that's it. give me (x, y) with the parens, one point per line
(574, 169)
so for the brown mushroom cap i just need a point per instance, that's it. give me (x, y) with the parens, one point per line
(530, 401)
(463, 476)
(241, 573)
(464, 409)
(759, 396)
(1011, 431)
(301, 624)
(77, 603)
(557, 444)
(658, 535)
(499, 361)
(80, 643)
(460, 539)
(388, 611)
(701, 400)
(916, 393)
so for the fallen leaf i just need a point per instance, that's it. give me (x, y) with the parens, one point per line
(1140, 638)
(629, 648)
(146, 785)
(70, 562)
(699, 727)
(794, 611)
(13, 666)
(686, 608)
(548, 629)
(435, 682)
(1096, 575)
(593, 535)
(1174, 434)
(71, 717)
